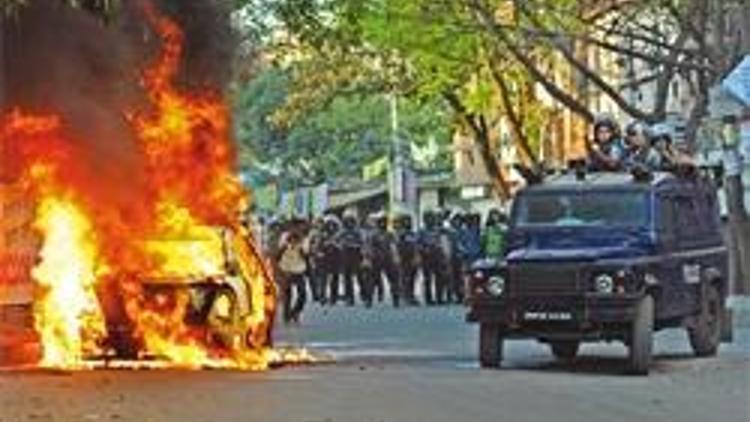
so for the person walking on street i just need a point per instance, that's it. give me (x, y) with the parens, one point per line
(292, 265)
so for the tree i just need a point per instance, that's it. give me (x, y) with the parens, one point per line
(416, 49)
(333, 140)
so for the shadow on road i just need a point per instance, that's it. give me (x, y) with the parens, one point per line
(602, 365)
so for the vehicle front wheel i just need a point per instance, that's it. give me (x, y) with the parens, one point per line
(705, 334)
(565, 350)
(490, 345)
(641, 337)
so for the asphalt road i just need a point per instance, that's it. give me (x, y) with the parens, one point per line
(410, 365)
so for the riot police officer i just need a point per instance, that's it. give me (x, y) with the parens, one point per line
(327, 256)
(385, 257)
(407, 243)
(368, 283)
(454, 243)
(350, 244)
(317, 260)
(435, 263)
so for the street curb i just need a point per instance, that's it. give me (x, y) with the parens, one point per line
(740, 306)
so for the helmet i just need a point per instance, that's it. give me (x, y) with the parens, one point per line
(331, 223)
(430, 218)
(379, 219)
(661, 131)
(636, 128)
(607, 121)
(350, 213)
(404, 222)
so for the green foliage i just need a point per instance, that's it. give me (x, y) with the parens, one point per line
(331, 141)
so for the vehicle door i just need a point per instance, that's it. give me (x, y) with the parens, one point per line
(667, 265)
(694, 242)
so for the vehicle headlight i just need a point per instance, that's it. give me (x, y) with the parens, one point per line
(495, 285)
(604, 283)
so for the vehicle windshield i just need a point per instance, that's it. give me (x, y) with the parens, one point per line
(591, 208)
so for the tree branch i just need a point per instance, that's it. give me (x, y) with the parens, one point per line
(498, 33)
(478, 126)
(516, 123)
(585, 70)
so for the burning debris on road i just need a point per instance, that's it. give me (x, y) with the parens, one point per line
(135, 199)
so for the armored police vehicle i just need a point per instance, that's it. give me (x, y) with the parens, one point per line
(606, 257)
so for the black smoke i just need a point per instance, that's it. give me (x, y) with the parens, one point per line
(55, 58)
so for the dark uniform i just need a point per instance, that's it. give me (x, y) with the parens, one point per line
(327, 257)
(350, 244)
(435, 263)
(456, 251)
(317, 261)
(407, 243)
(366, 266)
(385, 258)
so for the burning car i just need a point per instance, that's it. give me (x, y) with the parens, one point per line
(207, 290)
(125, 206)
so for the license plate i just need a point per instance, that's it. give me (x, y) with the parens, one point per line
(547, 316)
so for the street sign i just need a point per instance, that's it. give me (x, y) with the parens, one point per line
(738, 82)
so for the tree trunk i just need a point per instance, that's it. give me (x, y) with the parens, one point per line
(481, 132)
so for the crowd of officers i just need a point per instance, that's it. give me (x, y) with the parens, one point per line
(340, 260)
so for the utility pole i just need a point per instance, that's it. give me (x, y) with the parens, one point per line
(396, 174)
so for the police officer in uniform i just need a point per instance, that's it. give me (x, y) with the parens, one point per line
(385, 257)
(350, 244)
(368, 283)
(317, 260)
(434, 261)
(327, 255)
(407, 243)
(453, 245)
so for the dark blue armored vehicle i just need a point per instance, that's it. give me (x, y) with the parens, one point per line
(606, 256)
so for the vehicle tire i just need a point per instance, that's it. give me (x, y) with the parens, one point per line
(705, 334)
(565, 350)
(641, 337)
(490, 345)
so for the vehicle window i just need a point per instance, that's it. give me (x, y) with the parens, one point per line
(688, 218)
(582, 209)
(666, 214)
(711, 213)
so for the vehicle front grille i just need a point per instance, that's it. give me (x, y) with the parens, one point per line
(535, 278)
